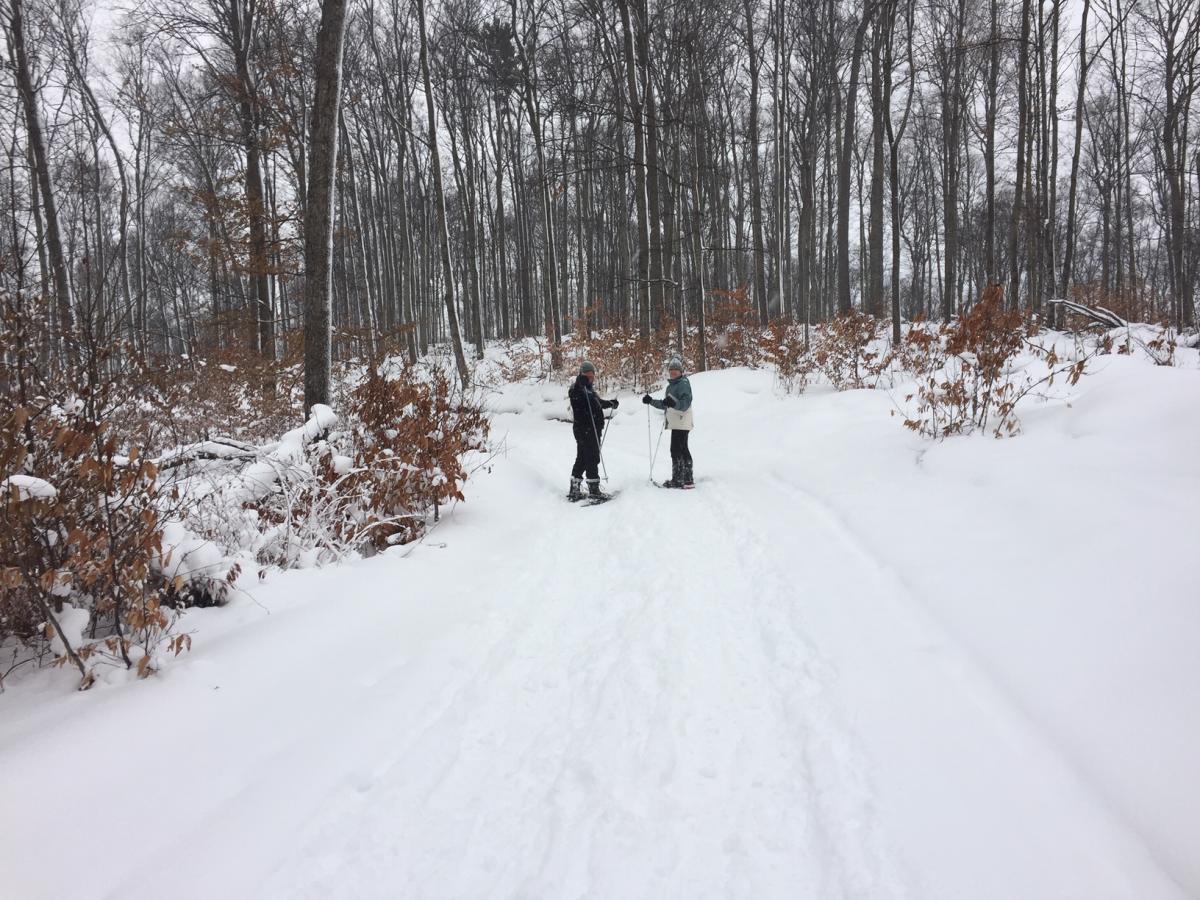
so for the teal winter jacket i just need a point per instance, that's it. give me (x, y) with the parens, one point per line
(679, 417)
(679, 388)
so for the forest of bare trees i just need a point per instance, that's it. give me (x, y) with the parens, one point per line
(597, 163)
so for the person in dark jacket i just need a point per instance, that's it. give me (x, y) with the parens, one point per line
(677, 405)
(587, 413)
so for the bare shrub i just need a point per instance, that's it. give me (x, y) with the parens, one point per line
(622, 357)
(231, 393)
(846, 351)
(736, 332)
(783, 346)
(524, 359)
(977, 386)
(80, 520)
(410, 434)
(921, 350)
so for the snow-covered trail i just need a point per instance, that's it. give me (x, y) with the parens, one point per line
(716, 693)
(647, 720)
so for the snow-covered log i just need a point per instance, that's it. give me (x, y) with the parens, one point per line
(1097, 314)
(220, 448)
(261, 477)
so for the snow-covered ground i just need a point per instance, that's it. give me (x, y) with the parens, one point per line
(852, 663)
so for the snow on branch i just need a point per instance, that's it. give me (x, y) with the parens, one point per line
(1097, 314)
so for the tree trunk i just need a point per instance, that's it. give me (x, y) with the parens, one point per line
(435, 171)
(1080, 95)
(759, 275)
(318, 216)
(989, 137)
(58, 262)
(1014, 260)
(241, 34)
(844, 304)
(879, 114)
(639, 169)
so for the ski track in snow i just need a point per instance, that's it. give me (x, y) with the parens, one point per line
(604, 727)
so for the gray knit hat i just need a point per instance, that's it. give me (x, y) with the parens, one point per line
(675, 363)
(586, 367)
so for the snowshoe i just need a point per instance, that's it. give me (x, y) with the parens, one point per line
(598, 499)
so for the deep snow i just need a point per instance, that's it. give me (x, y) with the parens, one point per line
(852, 663)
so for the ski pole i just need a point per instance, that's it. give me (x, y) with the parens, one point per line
(599, 439)
(655, 458)
(600, 447)
(649, 443)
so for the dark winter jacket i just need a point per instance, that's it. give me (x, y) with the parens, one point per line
(587, 409)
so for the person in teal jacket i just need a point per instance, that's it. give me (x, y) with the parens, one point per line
(677, 404)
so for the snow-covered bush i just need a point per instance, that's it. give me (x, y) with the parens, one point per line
(233, 393)
(402, 453)
(980, 371)
(80, 523)
(524, 359)
(734, 331)
(848, 351)
(622, 357)
(373, 477)
(784, 346)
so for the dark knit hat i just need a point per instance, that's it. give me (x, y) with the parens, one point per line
(586, 367)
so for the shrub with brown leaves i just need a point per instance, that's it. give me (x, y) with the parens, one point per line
(734, 329)
(80, 524)
(846, 351)
(410, 434)
(783, 346)
(622, 357)
(976, 386)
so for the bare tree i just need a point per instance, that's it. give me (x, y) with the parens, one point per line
(318, 214)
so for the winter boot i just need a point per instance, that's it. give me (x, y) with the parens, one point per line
(688, 481)
(576, 492)
(594, 491)
(676, 474)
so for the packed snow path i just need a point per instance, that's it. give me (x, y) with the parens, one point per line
(727, 692)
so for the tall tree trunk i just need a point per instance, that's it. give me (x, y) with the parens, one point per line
(879, 115)
(759, 275)
(989, 136)
(1051, 219)
(844, 304)
(64, 300)
(443, 233)
(697, 237)
(118, 159)
(1014, 259)
(1080, 96)
(637, 123)
(241, 30)
(952, 107)
(550, 313)
(318, 216)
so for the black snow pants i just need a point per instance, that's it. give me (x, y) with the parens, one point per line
(679, 447)
(587, 453)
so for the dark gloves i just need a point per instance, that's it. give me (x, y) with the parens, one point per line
(669, 401)
(614, 402)
(645, 398)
